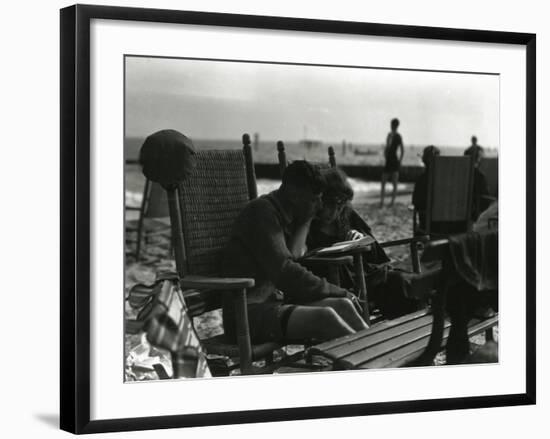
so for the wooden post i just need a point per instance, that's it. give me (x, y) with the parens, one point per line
(415, 223)
(250, 172)
(362, 286)
(458, 344)
(331, 158)
(142, 211)
(429, 197)
(469, 207)
(415, 259)
(282, 157)
(243, 333)
(177, 229)
(438, 325)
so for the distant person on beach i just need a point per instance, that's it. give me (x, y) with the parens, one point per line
(337, 221)
(475, 149)
(394, 143)
(288, 302)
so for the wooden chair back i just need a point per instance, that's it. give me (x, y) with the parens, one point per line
(450, 187)
(206, 191)
(220, 186)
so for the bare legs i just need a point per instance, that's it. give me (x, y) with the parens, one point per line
(324, 320)
(394, 179)
(383, 188)
(345, 309)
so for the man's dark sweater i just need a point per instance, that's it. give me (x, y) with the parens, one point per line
(258, 248)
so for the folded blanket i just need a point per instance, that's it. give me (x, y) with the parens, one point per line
(164, 316)
(474, 257)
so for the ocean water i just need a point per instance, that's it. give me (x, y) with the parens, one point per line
(134, 190)
(266, 152)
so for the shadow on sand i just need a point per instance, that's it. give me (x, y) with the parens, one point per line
(50, 419)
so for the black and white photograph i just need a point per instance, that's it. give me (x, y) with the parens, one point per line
(278, 218)
(275, 219)
(296, 218)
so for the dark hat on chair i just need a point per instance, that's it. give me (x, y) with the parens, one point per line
(167, 157)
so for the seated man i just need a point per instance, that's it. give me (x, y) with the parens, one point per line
(288, 302)
(474, 148)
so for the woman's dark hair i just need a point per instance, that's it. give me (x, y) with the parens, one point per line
(301, 173)
(337, 185)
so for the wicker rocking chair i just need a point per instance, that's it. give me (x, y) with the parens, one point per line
(203, 207)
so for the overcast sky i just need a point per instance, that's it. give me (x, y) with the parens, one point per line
(222, 100)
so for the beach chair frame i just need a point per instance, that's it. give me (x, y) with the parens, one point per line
(449, 192)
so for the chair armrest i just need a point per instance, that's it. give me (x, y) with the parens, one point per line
(328, 260)
(216, 283)
(435, 250)
(404, 241)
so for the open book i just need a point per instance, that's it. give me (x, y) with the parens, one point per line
(343, 246)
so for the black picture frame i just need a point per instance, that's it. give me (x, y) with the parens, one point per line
(75, 217)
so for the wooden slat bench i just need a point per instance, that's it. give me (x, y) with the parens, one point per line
(410, 340)
(393, 343)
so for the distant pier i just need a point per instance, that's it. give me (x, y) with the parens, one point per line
(407, 174)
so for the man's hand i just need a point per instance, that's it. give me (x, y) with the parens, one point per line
(353, 235)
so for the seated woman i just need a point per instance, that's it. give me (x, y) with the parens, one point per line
(338, 221)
